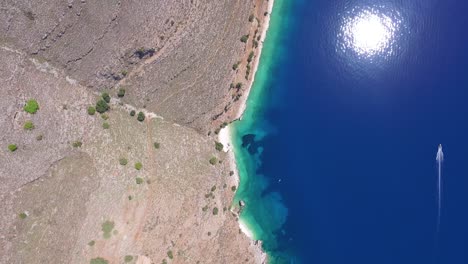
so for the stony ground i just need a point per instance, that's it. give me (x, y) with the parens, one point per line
(65, 196)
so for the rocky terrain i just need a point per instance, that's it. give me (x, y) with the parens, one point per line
(78, 186)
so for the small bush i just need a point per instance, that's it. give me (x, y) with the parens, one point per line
(12, 147)
(215, 211)
(218, 146)
(102, 106)
(31, 106)
(139, 180)
(39, 137)
(251, 18)
(105, 125)
(105, 116)
(233, 188)
(98, 261)
(128, 258)
(106, 97)
(22, 215)
(106, 228)
(124, 73)
(170, 255)
(213, 160)
(141, 117)
(138, 165)
(251, 55)
(132, 113)
(91, 243)
(123, 161)
(77, 144)
(244, 38)
(130, 197)
(121, 92)
(239, 85)
(213, 188)
(235, 66)
(91, 110)
(156, 145)
(231, 173)
(28, 125)
(205, 208)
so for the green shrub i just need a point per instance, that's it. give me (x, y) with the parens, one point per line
(106, 97)
(205, 208)
(12, 147)
(91, 110)
(31, 106)
(218, 146)
(213, 188)
(164, 261)
(104, 116)
(239, 85)
(233, 188)
(130, 197)
(123, 161)
(102, 106)
(121, 92)
(156, 145)
(138, 165)
(22, 215)
(244, 38)
(235, 66)
(128, 258)
(77, 144)
(139, 180)
(28, 125)
(124, 72)
(215, 211)
(105, 125)
(170, 255)
(213, 160)
(141, 117)
(98, 261)
(132, 113)
(91, 243)
(106, 228)
(251, 55)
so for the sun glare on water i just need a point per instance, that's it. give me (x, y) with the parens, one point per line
(368, 32)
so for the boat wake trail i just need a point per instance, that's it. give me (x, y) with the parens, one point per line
(439, 159)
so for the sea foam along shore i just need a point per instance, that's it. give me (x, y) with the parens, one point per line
(225, 136)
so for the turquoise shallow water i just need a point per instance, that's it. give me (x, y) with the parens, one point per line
(264, 214)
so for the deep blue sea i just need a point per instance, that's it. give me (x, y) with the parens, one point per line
(337, 147)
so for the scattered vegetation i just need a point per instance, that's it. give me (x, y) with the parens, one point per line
(170, 255)
(107, 227)
(121, 92)
(218, 146)
(102, 106)
(106, 97)
(251, 18)
(213, 188)
(91, 110)
(132, 113)
(105, 125)
(141, 117)
(138, 165)
(123, 161)
(139, 180)
(22, 215)
(235, 65)
(164, 261)
(98, 261)
(244, 38)
(156, 145)
(124, 73)
(91, 243)
(251, 55)
(233, 188)
(231, 173)
(77, 144)
(142, 52)
(215, 211)
(31, 106)
(239, 85)
(39, 137)
(213, 160)
(28, 125)
(128, 258)
(105, 116)
(205, 208)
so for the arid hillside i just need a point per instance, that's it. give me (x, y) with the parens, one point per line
(174, 57)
